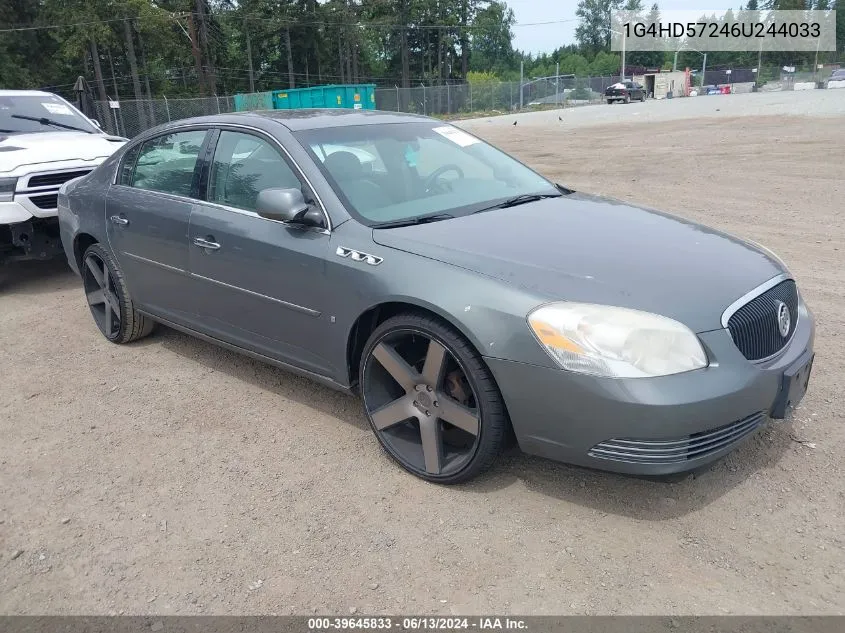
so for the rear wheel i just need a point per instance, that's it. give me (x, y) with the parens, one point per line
(627, 98)
(430, 399)
(610, 102)
(108, 298)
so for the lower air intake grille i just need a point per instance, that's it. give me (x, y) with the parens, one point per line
(47, 201)
(671, 451)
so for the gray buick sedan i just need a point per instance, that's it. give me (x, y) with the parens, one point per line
(467, 299)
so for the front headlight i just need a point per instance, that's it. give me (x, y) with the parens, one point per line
(615, 342)
(7, 189)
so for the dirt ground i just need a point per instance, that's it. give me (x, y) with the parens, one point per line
(170, 476)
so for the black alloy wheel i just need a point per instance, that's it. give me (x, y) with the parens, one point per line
(430, 399)
(108, 298)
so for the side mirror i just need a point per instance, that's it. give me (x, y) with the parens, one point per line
(287, 205)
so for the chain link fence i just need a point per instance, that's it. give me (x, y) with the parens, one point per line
(135, 116)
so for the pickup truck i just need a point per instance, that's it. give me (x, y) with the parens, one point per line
(624, 91)
(44, 142)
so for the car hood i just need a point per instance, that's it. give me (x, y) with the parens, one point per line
(18, 150)
(585, 248)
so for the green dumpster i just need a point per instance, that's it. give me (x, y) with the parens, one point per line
(354, 96)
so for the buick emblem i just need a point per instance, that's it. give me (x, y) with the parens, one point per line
(784, 318)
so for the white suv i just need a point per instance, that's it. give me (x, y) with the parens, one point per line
(44, 142)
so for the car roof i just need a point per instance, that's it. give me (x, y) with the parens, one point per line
(311, 118)
(25, 93)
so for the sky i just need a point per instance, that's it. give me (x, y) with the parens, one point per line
(545, 38)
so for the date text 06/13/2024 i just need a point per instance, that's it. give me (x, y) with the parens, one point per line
(417, 623)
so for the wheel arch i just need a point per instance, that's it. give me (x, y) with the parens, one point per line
(376, 314)
(82, 243)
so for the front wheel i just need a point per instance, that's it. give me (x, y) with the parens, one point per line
(628, 99)
(610, 102)
(431, 400)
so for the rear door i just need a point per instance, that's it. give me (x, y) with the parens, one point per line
(261, 284)
(148, 211)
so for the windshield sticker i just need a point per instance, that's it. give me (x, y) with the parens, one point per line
(56, 108)
(459, 137)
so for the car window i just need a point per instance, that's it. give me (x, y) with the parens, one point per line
(365, 151)
(42, 113)
(243, 166)
(166, 163)
(430, 167)
(127, 166)
(436, 152)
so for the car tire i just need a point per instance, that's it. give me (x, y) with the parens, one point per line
(628, 99)
(109, 300)
(426, 405)
(610, 102)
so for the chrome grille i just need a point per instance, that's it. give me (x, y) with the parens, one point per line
(754, 326)
(671, 451)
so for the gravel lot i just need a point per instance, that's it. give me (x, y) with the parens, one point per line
(172, 477)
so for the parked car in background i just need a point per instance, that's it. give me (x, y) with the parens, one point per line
(44, 142)
(625, 91)
(837, 79)
(459, 292)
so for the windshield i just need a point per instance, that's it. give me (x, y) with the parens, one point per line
(50, 114)
(402, 171)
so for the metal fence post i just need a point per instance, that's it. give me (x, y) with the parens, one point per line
(521, 71)
(448, 99)
(217, 103)
(510, 83)
(425, 113)
(557, 83)
(470, 97)
(397, 97)
(166, 108)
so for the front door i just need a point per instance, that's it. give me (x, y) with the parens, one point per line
(147, 215)
(260, 284)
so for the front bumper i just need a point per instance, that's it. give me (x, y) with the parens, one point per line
(588, 420)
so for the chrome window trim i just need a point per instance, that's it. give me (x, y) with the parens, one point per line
(220, 127)
(753, 294)
(253, 214)
(171, 196)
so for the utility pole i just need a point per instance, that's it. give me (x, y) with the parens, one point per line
(703, 71)
(623, 56)
(195, 49)
(249, 57)
(98, 71)
(209, 65)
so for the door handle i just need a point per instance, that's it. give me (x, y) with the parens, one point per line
(204, 243)
(119, 220)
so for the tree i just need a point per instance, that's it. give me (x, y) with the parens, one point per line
(593, 30)
(492, 37)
